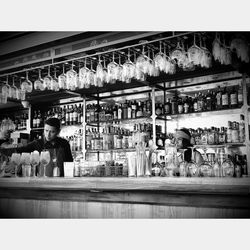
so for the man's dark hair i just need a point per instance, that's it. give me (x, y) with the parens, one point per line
(54, 122)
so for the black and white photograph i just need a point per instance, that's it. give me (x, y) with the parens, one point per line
(135, 124)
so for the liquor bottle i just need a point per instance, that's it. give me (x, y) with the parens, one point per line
(174, 104)
(91, 113)
(125, 110)
(240, 96)
(39, 119)
(167, 107)
(241, 129)
(149, 108)
(217, 167)
(180, 106)
(225, 99)
(208, 101)
(63, 115)
(238, 166)
(233, 98)
(129, 110)
(204, 136)
(158, 109)
(186, 105)
(88, 113)
(200, 102)
(211, 136)
(80, 114)
(235, 132)
(96, 112)
(229, 132)
(195, 102)
(219, 98)
(74, 114)
(119, 112)
(34, 122)
(134, 108)
(139, 110)
(222, 136)
(227, 167)
(119, 139)
(67, 116)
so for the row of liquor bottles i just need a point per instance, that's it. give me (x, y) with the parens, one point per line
(209, 100)
(234, 133)
(17, 122)
(68, 114)
(202, 101)
(113, 137)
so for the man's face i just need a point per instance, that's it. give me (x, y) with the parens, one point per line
(50, 132)
(179, 143)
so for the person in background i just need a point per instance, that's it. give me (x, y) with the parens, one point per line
(182, 141)
(51, 140)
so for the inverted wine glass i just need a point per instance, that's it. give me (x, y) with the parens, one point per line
(62, 79)
(47, 80)
(71, 78)
(54, 82)
(128, 69)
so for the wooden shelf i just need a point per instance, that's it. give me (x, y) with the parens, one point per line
(228, 145)
(203, 113)
(112, 150)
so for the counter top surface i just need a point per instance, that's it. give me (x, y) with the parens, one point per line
(161, 184)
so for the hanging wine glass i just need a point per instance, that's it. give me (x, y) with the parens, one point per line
(6, 89)
(228, 53)
(13, 90)
(206, 58)
(153, 70)
(139, 75)
(177, 53)
(167, 60)
(160, 59)
(62, 79)
(78, 85)
(105, 72)
(112, 70)
(100, 77)
(47, 81)
(143, 62)
(188, 65)
(194, 53)
(54, 82)
(119, 70)
(71, 78)
(38, 84)
(92, 76)
(83, 75)
(22, 93)
(172, 65)
(128, 69)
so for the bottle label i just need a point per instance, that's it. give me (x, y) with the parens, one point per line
(240, 98)
(167, 108)
(180, 109)
(233, 99)
(224, 100)
(195, 106)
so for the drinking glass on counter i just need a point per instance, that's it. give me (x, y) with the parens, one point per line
(34, 161)
(25, 162)
(44, 160)
(15, 160)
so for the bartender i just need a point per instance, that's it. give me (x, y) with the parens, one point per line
(182, 141)
(51, 140)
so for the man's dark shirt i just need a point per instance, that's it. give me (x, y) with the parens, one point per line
(62, 147)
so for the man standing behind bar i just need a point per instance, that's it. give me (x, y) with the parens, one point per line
(51, 141)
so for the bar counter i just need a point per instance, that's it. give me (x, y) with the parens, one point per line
(155, 197)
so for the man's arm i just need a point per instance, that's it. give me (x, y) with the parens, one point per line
(28, 148)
